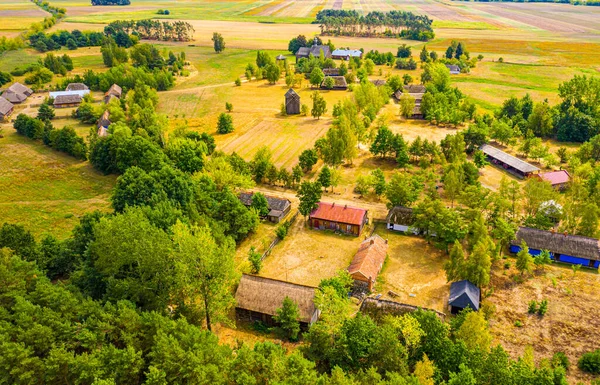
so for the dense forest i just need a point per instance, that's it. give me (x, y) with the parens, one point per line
(375, 24)
(152, 29)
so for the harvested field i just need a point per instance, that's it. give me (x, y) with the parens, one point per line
(571, 324)
(414, 271)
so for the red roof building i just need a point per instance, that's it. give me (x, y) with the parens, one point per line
(368, 261)
(558, 179)
(342, 218)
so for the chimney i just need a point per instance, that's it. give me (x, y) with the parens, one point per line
(333, 204)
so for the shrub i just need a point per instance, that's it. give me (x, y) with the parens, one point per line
(281, 232)
(304, 110)
(560, 359)
(255, 260)
(590, 362)
(532, 308)
(543, 307)
(238, 82)
(228, 106)
(500, 60)
(518, 323)
(225, 124)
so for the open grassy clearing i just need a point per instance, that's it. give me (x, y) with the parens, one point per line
(414, 271)
(44, 190)
(571, 324)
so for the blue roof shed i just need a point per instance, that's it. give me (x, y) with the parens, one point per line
(463, 294)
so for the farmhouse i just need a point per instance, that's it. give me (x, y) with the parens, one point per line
(346, 54)
(574, 249)
(278, 207)
(368, 261)
(416, 91)
(292, 102)
(6, 108)
(339, 83)
(454, 69)
(65, 101)
(463, 294)
(17, 93)
(329, 216)
(113, 92)
(558, 179)
(510, 163)
(315, 51)
(258, 299)
(401, 218)
(76, 87)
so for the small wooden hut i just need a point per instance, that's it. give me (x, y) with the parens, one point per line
(292, 102)
(463, 294)
(258, 299)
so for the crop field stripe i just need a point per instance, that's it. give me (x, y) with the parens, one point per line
(262, 8)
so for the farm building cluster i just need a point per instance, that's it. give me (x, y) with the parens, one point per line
(17, 93)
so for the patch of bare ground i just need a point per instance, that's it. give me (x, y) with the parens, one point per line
(12, 13)
(571, 324)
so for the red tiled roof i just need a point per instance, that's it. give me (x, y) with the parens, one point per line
(338, 213)
(369, 258)
(556, 177)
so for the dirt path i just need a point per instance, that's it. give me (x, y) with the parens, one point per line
(200, 88)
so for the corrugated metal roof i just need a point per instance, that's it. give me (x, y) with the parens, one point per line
(337, 213)
(508, 159)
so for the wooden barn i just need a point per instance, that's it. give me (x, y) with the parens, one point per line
(76, 87)
(401, 219)
(6, 108)
(573, 249)
(21, 89)
(339, 83)
(367, 262)
(66, 101)
(345, 219)
(558, 179)
(113, 92)
(510, 163)
(278, 207)
(258, 299)
(292, 102)
(463, 294)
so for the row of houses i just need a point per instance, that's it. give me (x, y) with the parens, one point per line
(114, 92)
(17, 93)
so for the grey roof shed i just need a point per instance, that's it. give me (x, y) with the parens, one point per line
(464, 294)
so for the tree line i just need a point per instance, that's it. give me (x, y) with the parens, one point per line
(152, 29)
(375, 24)
(111, 2)
(43, 42)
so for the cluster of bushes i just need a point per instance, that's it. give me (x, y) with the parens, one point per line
(64, 140)
(540, 308)
(72, 40)
(5, 78)
(59, 65)
(59, 13)
(163, 12)
(126, 76)
(381, 58)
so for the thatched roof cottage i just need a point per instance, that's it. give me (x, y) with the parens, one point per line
(6, 108)
(258, 299)
(278, 207)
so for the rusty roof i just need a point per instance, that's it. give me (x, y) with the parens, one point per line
(339, 213)
(369, 258)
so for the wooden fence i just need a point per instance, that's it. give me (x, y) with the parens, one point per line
(377, 308)
(277, 240)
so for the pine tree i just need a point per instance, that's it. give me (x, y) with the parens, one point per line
(478, 265)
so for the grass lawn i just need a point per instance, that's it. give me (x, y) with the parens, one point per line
(44, 190)
(414, 271)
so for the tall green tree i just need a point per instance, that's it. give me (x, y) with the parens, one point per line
(309, 195)
(287, 316)
(319, 105)
(325, 177)
(524, 259)
(260, 204)
(218, 42)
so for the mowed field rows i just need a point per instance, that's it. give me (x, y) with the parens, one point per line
(18, 15)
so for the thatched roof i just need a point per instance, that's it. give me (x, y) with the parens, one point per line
(508, 159)
(401, 215)
(369, 258)
(14, 97)
(464, 294)
(67, 99)
(104, 120)
(266, 295)
(415, 88)
(331, 71)
(114, 90)
(378, 82)
(559, 243)
(5, 106)
(20, 89)
(315, 51)
(275, 204)
(76, 87)
(339, 82)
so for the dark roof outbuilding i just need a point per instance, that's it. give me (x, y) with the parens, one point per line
(508, 159)
(76, 87)
(464, 294)
(400, 215)
(67, 99)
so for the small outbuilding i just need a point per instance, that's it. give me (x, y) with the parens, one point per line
(401, 219)
(280, 58)
(113, 92)
(6, 108)
(103, 124)
(339, 83)
(14, 97)
(454, 69)
(563, 247)
(331, 71)
(278, 207)
(345, 219)
(258, 299)
(463, 294)
(367, 262)
(416, 91)
(76, 87)
(510, 163)
(558, 179)
(21, 89)
(292, 102)
(66, 101)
